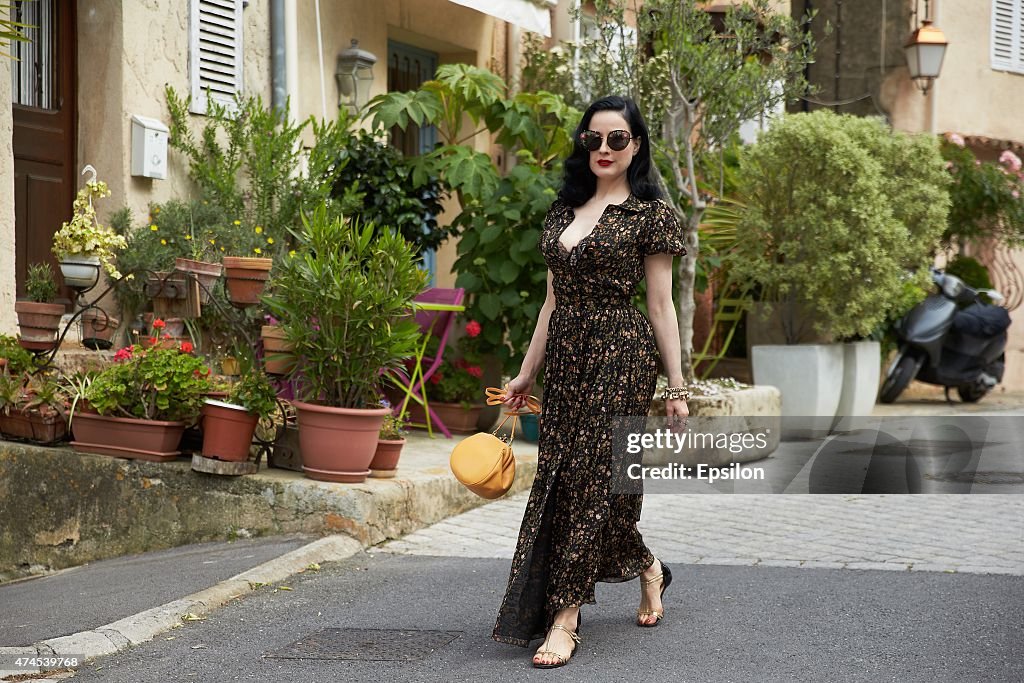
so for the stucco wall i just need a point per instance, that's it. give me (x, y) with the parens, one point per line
(128, 52)
(8, 321)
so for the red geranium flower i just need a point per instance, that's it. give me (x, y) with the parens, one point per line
(475, 370)
(473, 328)
(186, 347)
(435, 378)
(159, 324)
(123, 354)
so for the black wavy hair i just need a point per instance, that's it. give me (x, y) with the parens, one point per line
(579, 183)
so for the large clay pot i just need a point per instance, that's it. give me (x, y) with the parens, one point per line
(38, 323)
(385, 460)
(246, 277)
(206, 273)
(227, 431)
(338, 444)
(126, 437)
(277, 351)
(456, 418)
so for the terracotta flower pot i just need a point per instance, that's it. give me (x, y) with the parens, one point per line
(277, 352)
(33, 427)
(206, 273)
(38, 323)
(167, 285)
(385, 460)
(126, 437)
(338, 444)
(246, 277)
(227, 431)
(456, 418)
(97, 329)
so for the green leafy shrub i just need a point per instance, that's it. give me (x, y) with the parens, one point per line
(13, 358)
(985, 196)
(382, 182)
(255, 393)
(343, 299)
(970, 271)
(152, 384)
(837, 209)
(246, 165)
(41, 284)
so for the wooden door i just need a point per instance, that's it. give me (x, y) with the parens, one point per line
(43, 94)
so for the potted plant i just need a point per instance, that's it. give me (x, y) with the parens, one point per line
(836, 209)
(14, 359)
(390, 441)
(39, 318)
(228, 425)
(82, 244)
(32, 408)
(343, 298)
(142, 403)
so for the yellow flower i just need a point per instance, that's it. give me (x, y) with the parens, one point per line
(153, 228)
(238, 222)
(222, 248)
(213, 241)
(188, 237)
(292, 253)
(163, 242)
(258, 229)
(156, 209)
(270, 240)
(258, 250)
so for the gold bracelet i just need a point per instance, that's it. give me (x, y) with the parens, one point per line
(672, 393)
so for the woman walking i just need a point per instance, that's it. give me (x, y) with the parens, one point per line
(607, 230)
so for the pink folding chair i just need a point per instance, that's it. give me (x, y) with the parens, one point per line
(436, 309)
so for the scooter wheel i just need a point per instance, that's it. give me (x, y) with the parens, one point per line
(970, 393)
(898, 379)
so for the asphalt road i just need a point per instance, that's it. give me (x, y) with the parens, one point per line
(723, 623)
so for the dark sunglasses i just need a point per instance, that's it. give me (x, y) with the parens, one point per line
(618, 140)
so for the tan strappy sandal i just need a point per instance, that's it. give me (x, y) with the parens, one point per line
(666, 578)
(562, 660)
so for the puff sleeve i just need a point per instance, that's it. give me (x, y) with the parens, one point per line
(661, 232)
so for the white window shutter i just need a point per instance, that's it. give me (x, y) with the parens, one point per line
(1007, 51)
(215, 52)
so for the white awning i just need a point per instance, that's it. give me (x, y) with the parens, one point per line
(526, 14)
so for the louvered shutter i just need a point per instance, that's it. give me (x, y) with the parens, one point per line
(215, 52)
(1007, 34)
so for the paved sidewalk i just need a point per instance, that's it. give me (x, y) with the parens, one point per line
(943, 533)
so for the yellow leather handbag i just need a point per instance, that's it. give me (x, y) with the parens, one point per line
(484, 462)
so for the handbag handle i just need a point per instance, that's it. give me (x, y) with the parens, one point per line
(495, 396)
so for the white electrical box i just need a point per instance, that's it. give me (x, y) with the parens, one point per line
(149, 147)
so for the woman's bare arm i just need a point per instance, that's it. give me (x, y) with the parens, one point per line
(662, 312)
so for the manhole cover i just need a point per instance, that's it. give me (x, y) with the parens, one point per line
(980, 477)
(366, 644)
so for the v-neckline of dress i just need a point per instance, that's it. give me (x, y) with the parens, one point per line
(572, 210)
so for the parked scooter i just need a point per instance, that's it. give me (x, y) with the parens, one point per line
(944, 344)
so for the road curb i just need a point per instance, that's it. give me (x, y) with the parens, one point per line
(144, 626)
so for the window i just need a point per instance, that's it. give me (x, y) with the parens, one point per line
(34, 73)
(1008, 35)
(215, 52)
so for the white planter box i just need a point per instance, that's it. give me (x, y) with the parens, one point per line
(862, 366)
(810, 379)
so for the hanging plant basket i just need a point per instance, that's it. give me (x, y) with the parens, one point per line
(80, 271)
(98, 329)
(246, 277)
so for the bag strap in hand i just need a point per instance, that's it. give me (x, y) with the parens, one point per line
(496, 396)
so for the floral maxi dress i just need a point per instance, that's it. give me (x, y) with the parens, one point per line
(600, 362)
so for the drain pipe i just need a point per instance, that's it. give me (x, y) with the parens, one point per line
(278, 74)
